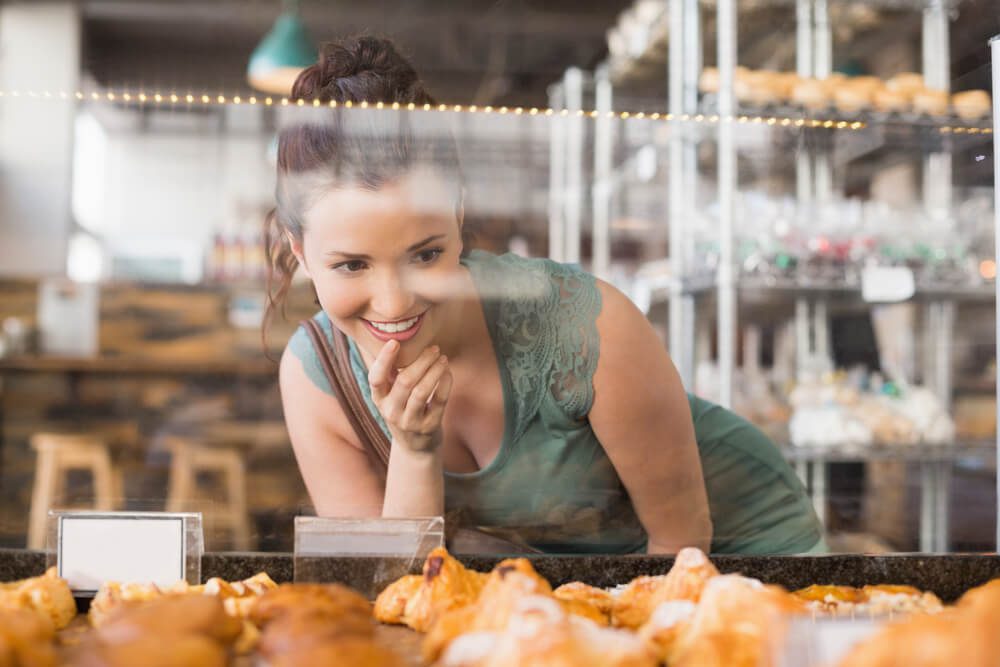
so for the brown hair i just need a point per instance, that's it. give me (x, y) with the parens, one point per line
(361, 148)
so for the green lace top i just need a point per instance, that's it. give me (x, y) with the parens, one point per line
(551, 483)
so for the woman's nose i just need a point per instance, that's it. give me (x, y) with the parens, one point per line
(391, 298)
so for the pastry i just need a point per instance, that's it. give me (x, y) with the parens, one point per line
(540, 633)
(169, 616)
(851, 98)
(349, 652)
(737, 622)
(596, 597)
(26, 639)
(152, 651)
(236, 596)
(510, 582)
(685, 581)
(390, 605)
(931, 102)
(444, 585)
(305, 628)
(708, 82)
(962, 635)
(48, 595)
(906, 84)
(971, 105)
(811, 94)
(330, 600)
(887, 100)
(874, 600)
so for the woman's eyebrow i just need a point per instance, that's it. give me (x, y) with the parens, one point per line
(427, 240)
(415, 246)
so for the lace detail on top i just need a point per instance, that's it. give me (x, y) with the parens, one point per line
(546, 332)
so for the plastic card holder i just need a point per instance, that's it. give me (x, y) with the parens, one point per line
(92, 547)
(824, 642)
(366, 554)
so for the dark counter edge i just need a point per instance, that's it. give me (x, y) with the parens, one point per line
(947, 575)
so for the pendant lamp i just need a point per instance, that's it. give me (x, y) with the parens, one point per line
(284, 52)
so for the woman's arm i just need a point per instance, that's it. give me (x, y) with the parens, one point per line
(335, 467)
(642, 418)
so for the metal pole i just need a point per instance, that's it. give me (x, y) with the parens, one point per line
(995, 54)
(822, 66)
(675, 194)
(557, 176)
(726, 21)
(803, 38)
(937, 75)
(602, 193)
(692, 71)
(573, 86)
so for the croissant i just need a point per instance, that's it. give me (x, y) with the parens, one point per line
(684, 581)
(26, 638)
(48, 595)
(540, 632)
(738, 622)
(416, 602)
(508, 584)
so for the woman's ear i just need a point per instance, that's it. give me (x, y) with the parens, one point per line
(296, 246)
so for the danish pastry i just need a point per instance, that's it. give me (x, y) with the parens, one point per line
(540, 632)
(444, 585)
(684, 581)
(48, 595)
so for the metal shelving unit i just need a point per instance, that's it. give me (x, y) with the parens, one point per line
(814, 184)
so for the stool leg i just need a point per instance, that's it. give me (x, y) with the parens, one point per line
(42, 495)
(237, 492)
(103, 482)
(181, 480)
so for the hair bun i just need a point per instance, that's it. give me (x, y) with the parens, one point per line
(366, 69)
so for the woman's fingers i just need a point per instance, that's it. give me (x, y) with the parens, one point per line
(380, 375)
(438, 401)
(394, 403)
(420, 398)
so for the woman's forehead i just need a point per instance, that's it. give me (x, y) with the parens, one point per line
(418, 193)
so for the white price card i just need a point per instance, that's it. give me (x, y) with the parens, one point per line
(128, 547)
(887, 284)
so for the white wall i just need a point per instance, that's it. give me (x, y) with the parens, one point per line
(39, 51)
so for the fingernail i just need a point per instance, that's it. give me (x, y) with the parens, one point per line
(443, 359)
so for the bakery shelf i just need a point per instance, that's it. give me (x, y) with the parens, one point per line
(910, 453)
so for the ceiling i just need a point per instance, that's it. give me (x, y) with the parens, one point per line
(474, 51)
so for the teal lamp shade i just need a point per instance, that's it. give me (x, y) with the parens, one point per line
(284, 52)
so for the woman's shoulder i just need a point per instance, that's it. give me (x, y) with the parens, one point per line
(301, 345)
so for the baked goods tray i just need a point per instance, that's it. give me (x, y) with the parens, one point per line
(946, 575)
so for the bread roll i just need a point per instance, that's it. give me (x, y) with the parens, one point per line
(708, 82)
(811, 93)
(971, 105)
(907, 83)
(851, 98)
(890, 100)
(931, 102)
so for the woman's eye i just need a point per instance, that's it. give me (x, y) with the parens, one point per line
(429, 255)
(352, 266)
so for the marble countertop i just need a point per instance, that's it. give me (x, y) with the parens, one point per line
(947, 575)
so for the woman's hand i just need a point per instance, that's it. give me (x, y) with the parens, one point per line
(411, 400)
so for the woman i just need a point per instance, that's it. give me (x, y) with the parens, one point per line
(528, 394)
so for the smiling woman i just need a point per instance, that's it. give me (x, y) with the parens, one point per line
(527, 394)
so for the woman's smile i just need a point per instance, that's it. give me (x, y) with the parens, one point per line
(400, 330)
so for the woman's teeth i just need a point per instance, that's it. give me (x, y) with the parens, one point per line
(394, 327)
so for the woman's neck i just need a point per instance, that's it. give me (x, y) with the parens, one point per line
(457, 337)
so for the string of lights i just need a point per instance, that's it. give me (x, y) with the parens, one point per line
(174, 99)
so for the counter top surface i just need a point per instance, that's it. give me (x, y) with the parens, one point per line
(947, 575)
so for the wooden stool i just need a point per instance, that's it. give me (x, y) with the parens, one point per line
(187, 458)
(57, 454)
